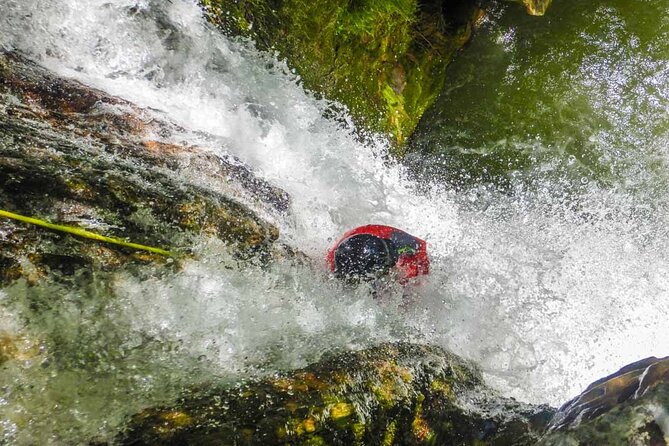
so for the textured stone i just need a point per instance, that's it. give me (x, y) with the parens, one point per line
(75, 156)
(630, 406)
(393, 394)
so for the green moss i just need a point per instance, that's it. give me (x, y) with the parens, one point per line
(384, 60)
(389, 435)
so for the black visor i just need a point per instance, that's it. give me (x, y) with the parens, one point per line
(362, 255)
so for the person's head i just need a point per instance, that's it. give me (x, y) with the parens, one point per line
(363, 256)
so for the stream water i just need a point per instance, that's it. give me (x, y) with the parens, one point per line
(544, 207)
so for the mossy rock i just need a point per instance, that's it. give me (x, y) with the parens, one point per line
(384, 60)
(627, 408)
(393, 394)
(74, 156)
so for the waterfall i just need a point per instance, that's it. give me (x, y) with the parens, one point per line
(545, 288)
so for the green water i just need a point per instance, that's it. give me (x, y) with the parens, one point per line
(581, 93)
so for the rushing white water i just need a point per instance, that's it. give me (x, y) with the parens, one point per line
(546, 291)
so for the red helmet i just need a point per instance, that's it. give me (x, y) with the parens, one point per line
(372, 250)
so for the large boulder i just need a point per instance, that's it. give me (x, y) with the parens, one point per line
(385, 61)
(630, 407)
(75, 156)
(393, 394)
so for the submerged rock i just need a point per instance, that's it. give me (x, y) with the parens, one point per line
(393, 394)
(76, 156)
(385, 61)
(630, 407)
(17, 347)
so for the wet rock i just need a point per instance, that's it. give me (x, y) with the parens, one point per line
(393, 394)
(630, 406)
(385, 61)
(536, 7)
(73, 155)
(17, 347)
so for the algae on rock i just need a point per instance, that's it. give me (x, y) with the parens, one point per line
(384, 60)
(392, 394)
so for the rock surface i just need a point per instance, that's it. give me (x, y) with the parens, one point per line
(16, 347)
(393, 394)
(536, 7)
(76, 156)
(630, 407)
(385, 61)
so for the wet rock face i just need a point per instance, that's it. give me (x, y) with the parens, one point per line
(384, 60)
(75, 156)
(629, 407)
(393, 394)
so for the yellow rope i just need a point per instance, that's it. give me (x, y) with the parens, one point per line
(82, 233)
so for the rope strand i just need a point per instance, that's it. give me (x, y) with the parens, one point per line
(83, 233)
